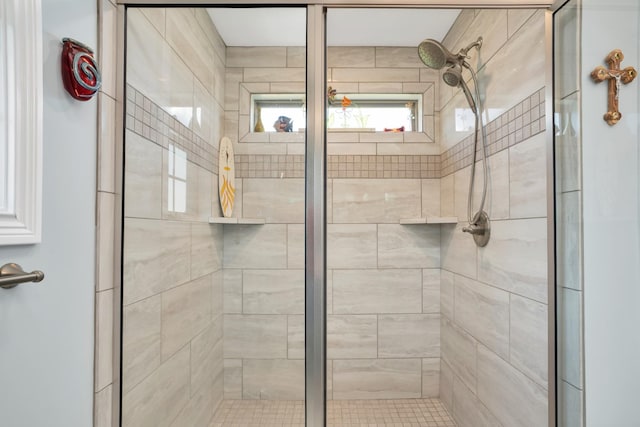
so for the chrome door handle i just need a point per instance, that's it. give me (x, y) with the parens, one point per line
(11, 275)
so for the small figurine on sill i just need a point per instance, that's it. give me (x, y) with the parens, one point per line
(283, 124)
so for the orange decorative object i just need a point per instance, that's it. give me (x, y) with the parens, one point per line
(616, 78)
(345, 102)
(400, 129)
(80, 74)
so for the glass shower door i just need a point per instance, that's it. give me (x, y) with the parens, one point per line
(383, 171)
(213, 294)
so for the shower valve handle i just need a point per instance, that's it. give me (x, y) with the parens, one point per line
(479, 228)
(473, 229)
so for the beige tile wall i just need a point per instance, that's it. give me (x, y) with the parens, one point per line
(383, 290)
(494, 299)
(172, 352)
(383, 279)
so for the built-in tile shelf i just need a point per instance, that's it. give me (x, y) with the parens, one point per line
(430, 220)
(245, 221)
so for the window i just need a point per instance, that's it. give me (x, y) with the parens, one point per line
(268, 108)
(376, 112)
(366, 112)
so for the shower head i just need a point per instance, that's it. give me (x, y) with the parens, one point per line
(434, 55)
(453, 76)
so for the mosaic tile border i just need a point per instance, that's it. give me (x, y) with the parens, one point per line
(521, 122)
(516, 125)
(150, 121)
(269, 166)
(524, 120)
(339, 166)
(380, 166)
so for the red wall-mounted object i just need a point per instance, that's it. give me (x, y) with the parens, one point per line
(80, 73)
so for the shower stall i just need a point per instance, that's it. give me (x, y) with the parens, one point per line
(346, 287)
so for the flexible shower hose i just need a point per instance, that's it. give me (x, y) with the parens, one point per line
(473, 218)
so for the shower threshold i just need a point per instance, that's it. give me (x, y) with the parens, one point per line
(340, 413)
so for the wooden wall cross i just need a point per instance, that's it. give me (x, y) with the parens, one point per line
(616, 77)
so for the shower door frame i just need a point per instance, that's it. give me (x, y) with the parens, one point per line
(315, 179)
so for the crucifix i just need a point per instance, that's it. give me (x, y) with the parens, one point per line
(616, 78)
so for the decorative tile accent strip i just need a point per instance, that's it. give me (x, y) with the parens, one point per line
(519, 123)
(269, 166)
(340, 166)
(150, 121)
(383, 166)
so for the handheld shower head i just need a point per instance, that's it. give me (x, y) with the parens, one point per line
(434, 55)
(453, 77)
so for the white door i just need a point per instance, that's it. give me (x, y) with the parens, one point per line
(46, 329)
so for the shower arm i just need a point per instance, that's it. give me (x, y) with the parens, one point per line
(462, 54)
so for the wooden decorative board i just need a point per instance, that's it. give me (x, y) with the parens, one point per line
(226, 177)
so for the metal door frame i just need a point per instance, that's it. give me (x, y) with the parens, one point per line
(315, 178)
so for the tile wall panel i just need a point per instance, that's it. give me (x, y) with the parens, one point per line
(469, 410)
(484, 312)
(352, 336)
(377, 378)
(172, 283)
(255, 336)
(503, 389)
(273, 379)
(407, 246)
(141, 340)
(251, 246)
(408, 335)
(377, 291)
(146, 404)
(494, 299)
(431, 377)
(529, 338)
(352, 246)
(186, 311)
(273, 292)
(375, 201)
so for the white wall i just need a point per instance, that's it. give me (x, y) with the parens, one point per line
(46, 329)
(611, 217)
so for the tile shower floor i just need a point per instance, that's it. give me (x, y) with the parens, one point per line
(340, 413)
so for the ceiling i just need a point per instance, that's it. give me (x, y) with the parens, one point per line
(345, 27)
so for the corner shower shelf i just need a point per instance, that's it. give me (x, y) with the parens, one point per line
(430, 220)
(241, 221)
